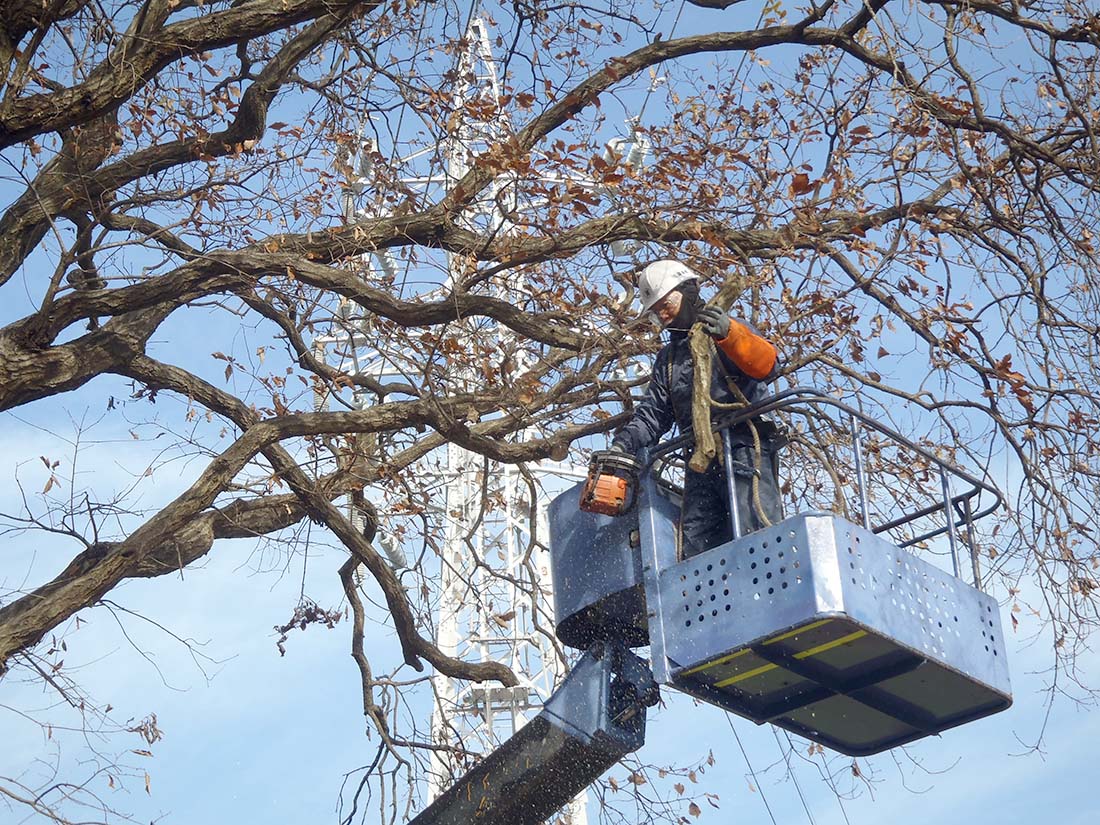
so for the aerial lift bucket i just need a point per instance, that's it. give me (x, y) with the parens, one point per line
(827, 630)
(815, 624)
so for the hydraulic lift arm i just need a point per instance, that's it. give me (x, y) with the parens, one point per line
(592, 721)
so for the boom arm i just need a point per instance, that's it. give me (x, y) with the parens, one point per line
(592, 721)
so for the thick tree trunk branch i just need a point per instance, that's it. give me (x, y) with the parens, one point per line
(29, 372)
(240, 272)
(59, 188)
(52, 193)
(107, 87)
(317, 502)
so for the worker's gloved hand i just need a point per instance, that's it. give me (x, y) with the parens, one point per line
(617, 448)
(715, 322)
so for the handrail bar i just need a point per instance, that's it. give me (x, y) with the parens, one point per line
(960, 503)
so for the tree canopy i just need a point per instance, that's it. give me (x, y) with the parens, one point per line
(199, 198)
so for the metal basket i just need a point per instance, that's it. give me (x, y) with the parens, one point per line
(832, 632)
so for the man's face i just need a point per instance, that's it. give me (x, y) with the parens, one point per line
(666, 309)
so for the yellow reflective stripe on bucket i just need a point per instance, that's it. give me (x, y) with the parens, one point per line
(748, 674)
(813, 651)
(743, 651)
(797, 630)
(717, 662)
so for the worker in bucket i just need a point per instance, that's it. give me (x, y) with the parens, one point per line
(743, 364)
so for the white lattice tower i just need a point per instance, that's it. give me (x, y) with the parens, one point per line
(502, 614)
(494, 583)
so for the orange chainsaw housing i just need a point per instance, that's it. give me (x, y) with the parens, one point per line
(604, 494)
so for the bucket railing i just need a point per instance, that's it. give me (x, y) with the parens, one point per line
(957, 497)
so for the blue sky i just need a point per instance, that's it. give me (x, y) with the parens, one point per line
(252, 736)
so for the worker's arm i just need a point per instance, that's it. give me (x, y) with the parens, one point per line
(652, 416)
(751, 353)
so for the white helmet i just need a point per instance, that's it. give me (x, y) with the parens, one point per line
(660, 278)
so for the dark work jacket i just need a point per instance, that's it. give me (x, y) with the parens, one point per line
(667, 400)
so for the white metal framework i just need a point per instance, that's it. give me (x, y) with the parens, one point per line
(494, 583)
(499, 613)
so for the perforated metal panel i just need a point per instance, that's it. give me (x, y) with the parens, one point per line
(831, 631)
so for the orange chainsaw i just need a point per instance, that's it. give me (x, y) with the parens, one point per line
(612, 483)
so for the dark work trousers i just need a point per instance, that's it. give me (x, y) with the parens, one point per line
(705, 516)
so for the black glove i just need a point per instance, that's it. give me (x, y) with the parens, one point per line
(715, 323)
